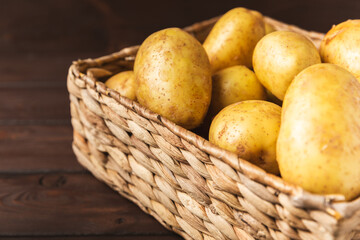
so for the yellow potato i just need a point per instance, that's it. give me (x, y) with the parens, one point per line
(279, 57)
(173, 77)
(250, 129)
(269, 28)
(234, 84)
(341, 46)
(124, 83)
(233, 38)
(319, 139)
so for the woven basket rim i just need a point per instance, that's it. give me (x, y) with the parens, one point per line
(333, 204)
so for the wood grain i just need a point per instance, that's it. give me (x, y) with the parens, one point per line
(68, 204)
(47, 103)
(21, 70)
(144, 237)
(44, 27)
(37, 148)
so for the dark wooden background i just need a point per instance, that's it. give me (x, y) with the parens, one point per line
(44, 192)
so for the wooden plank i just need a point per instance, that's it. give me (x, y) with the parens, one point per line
(68, 204)
(34, 104)
(44, 27)
(136, 237)
(37, 148)
(40, 70)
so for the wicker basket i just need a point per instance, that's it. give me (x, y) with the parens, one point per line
(189, 185)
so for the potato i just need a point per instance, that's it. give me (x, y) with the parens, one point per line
(269, 28)
(279, 57)
(234, 84)
(319, 141)
(341, 46)
(124, 83)
(250, 129)
(233, 38)
(173, 77)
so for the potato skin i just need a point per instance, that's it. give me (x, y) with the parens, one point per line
(341, 46)
(279, 57)
(173, 77)
(319, 141)
(269, 28)
(249, 129)
(124, 83)
(234, 84)
(233, 38)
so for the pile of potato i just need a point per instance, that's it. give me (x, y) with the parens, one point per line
(241, 76)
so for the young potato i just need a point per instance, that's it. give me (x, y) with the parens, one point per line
(233, 38)
(279, 57)
(234, 84)
(173, 77)
(319, 139)
(341, 46)
(250, 129)
(124, 83)
(269, 28)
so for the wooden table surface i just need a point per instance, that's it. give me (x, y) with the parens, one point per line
(44, 192)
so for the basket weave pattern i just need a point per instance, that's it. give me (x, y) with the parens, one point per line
(189, 185)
